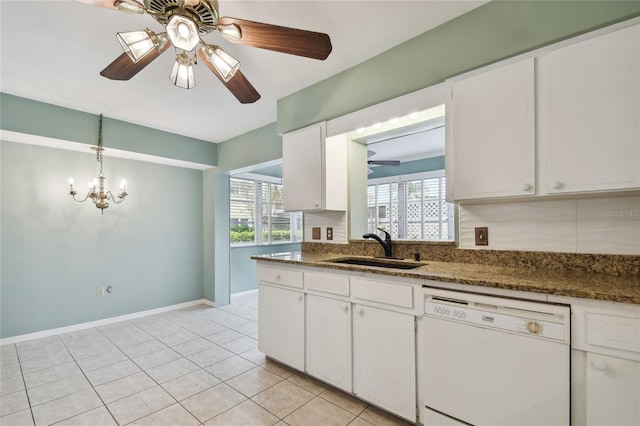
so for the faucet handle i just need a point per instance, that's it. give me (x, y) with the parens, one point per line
(387, 236)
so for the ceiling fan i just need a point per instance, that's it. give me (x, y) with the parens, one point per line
(186, 21)
(379, 162)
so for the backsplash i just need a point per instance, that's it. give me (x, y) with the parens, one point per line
(446, 252)
(605, 225)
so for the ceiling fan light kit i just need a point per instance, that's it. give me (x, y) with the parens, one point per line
(224, 63)
(186, 21)
(182, 72)
(138, 44)
(183, 33)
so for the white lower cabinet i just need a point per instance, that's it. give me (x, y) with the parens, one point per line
(281, 324)
(310, 321)
(328, 336)
(384, 360)
(605, 371)
(613, 390)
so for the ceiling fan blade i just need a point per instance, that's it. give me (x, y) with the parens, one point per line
(123, 68)
(123, 5)
(280, 39)
(384, 162)
(238, 85)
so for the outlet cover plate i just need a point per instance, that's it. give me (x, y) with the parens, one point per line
(316, 233)
(482, 236)
(329, 233)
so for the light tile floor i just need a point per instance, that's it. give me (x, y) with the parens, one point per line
(195, 366)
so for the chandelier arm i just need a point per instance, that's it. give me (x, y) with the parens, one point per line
(114, 198)
(81, 201)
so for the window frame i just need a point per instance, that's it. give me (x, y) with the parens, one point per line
(261, 184)
(403, 180)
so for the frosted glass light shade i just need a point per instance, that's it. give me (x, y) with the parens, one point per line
(137, 44)
(224, 63)
(183, 32)
(124, 6)
(182, 72)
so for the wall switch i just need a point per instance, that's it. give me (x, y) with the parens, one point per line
(329, 233)
(100, 291)
(316, 233)
(482, 236)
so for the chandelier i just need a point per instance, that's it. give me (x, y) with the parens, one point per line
(97, 194)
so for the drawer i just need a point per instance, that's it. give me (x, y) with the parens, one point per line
(327, 283)
(280, 276)
(378, 291)
(612, 331)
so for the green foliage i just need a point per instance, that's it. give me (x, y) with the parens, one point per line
(245, 234)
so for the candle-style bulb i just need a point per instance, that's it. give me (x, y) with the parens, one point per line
(123, 184)
(71, 181)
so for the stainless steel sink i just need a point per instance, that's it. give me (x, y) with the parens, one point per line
(378, 262)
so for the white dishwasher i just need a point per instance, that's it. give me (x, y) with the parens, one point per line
(494, 361)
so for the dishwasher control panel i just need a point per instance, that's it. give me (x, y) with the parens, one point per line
(522, 317)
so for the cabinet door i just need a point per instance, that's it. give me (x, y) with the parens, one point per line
(302, 168)
(328, 333)
(384, 359)
(492, 133)
(613, 391)
(590, 114)
(281, 325)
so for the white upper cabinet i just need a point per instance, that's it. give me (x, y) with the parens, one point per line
(564, 120)
(314, 170)
(589, 114)
(491, 133)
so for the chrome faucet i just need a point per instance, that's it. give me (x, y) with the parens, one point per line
(386, 244)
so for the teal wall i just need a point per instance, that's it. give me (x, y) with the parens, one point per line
(408, 167)
(243, 276)
(55, 252)
(492, 32)
(258, 149)
(245, 152)
(37, 118)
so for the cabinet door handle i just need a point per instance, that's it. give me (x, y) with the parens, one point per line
(346, 308)
(300, 298)
(361, 312)
(278, 278)
(556, 184)
(526, 187)
(600, 365)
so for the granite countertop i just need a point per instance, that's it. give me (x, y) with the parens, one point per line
(613, 288)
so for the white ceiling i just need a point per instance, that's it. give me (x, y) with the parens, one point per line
(53, 51)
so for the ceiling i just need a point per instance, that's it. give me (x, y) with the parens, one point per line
(53, 51)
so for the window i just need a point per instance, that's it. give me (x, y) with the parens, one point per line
(258, 216)
(411, 207)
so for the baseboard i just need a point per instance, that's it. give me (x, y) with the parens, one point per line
(242, 293)
(106, 321)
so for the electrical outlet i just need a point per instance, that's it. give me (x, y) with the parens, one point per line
(329, 233)
(482, 236)
(316, 233)
(99, 291)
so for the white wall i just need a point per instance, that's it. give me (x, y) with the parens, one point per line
(604, 225)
